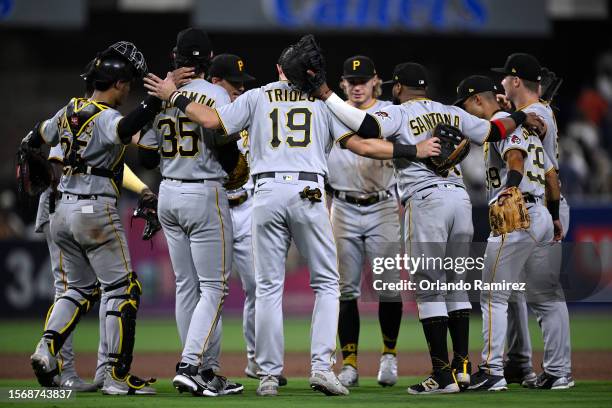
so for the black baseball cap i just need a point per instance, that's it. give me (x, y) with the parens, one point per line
(473, 85)
(193, 43)
(229, 67)
(409, 74)
(358, 66)
(524, 66)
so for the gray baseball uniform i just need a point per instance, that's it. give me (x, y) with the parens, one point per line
(438, 209)
(241, 208)
(363, 231)
(519, 342)
(195, 217)
(87, 229)
(520, 256)
(290, 135)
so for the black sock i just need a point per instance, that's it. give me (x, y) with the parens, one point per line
(390, 319)
(435, 329)
(348, 331)
(459, 328)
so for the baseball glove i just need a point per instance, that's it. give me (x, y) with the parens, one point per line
(299, 58)
(239, 176)
(550, 83)
(34, 171)
(454, 147)
(147, 210)
(509, 213)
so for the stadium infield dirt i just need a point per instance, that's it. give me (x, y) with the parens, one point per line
(586, 365)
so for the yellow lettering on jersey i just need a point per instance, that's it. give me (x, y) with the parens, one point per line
(422, 127)
(447, 118)
(414, 127)
(269, 93)
(278, 95)
(456, 122)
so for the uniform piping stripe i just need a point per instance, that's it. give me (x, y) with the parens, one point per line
(127, 268)
(220, 121)
(490, 322)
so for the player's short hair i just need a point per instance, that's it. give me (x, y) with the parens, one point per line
(377, 88)
(531, 85)
(488, 95)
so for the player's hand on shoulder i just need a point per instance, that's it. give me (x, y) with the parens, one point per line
(161, 88)
(504, 102)
(183, 76)
(428, 148)
(536, 123)
(558, 231)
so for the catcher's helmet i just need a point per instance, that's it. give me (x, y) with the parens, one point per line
(120, 62)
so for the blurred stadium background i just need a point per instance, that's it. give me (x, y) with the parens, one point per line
(44, 46)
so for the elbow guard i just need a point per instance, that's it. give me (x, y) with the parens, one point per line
(136, 119)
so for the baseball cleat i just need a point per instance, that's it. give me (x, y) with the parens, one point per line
(481, 381)
(220, 384)
(570, 381)
(550, 382)
(387, 372)
(45, 365)
(76, 383)
(128, 385)
(251, 371)
(439, 382)
(520, 375)
(349, 377)
(462, 369)
(327, 383)
(268, 386)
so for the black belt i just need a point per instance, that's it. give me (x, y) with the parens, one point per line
(185, 181)
(302, 175)
(439, 185)
(364, 200)
(239, 199)
(81, 196)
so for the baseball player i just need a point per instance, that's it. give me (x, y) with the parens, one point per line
(290, 134)
(69, 379)
(438, 209)
(365, 222)
(524, 94)
(229, 72)
(86, 226)
(194, 213)
(518, 161)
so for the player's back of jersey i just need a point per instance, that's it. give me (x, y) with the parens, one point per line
(96, 144)
(351, 172)
(186, 149)
(289, 131)
(551, 141)
(420, 118)
(535, 164)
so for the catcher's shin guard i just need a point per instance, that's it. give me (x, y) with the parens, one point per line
(122, 307)
(66, 312)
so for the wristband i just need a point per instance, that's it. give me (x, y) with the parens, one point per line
(519, 117)
(181, 102)
(553, 209)
(404, 151)
(514, 178)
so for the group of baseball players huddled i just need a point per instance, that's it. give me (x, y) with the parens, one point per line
(305, 146)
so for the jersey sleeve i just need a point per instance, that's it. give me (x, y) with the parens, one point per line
(49, 129)
(149, 139)
(237, 115)
(389, 120)
(548, 163)
(56, 153)
(476, 129)
(107, 124)
(338, 130)
(515, 141)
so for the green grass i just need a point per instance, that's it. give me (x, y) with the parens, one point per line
(369, 394)
(589, 332)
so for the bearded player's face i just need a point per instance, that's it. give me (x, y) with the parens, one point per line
(395, 92)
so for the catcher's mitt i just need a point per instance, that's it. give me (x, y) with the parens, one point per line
(34, 172)
(454, 147)
(239, 176)
(147, 210)
(509, 212)
(299, 58)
